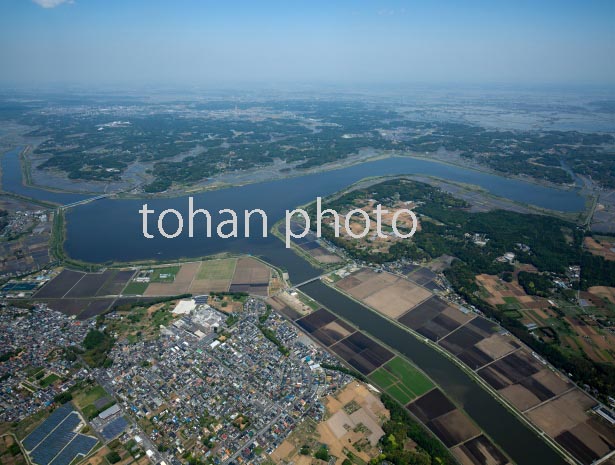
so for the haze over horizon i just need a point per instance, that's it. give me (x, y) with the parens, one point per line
(141, 42)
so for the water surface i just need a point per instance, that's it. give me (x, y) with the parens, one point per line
(111, 230)
(12, 182)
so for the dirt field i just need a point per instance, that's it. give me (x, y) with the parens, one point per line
(285, 299)
(372, 240)
(563, 413)
(362, 353)
(599, 345)
(6, 457)
(251, 276)
(497, 345)
(181, 284)
(339, 432)
(454, 428)
(321, 254)
(552, 381)
(116, 284)
(479, 451)
(431, 406)
(251, 271)
(604, 247)
(520, 397)
(604, 292)
(456, 315)
(389, 294)
(498, 290)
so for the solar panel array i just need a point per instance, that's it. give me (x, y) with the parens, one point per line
(36, 436)
(49, 447)
(114, 428)
(55, 441)
(81, 445)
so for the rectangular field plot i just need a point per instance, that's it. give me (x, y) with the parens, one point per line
(462, 339)
(135, 288)
(89, 285)
(310, 244)
(483, 326)
(95, 307)
(431, 406)
(434, 318)
(214, 276)
(497, 345)
(401, 380)
(516, 367)
(474, 358)
(400, 393)
(251, 276)
(325, 327)
(116, 283)
(409, 376)
(74, 293)
(383, 378)
(453, 428)
(524, 381)
(362, 353)
(389, 294)
(165, 274)
(479, 451)
(179, 284)
(81, 308)
(422, 276)
(421, 314)
(60, 285)
(476, 344)
(566, 420)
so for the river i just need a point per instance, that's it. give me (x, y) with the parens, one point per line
(12, 182)
(510, 433)
(110, 230)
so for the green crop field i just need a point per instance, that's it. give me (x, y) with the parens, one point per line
(416, 381)
(134, 288)
(83, 399)
(383, 378)
(49, 380)
(400, 394)
(401, 380)
(164, 275)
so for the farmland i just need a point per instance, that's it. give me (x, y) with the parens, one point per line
(88, 294)
(401, 380)
(517, 374)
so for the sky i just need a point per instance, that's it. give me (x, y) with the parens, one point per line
(200, 42)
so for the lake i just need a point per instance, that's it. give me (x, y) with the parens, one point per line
(110, 229)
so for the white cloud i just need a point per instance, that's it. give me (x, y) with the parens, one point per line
(51, 3)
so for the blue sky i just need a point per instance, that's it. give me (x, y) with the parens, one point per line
(202, 42)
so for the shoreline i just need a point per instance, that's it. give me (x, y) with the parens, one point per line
(59, 231)
(353, 160)
(58, 237)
